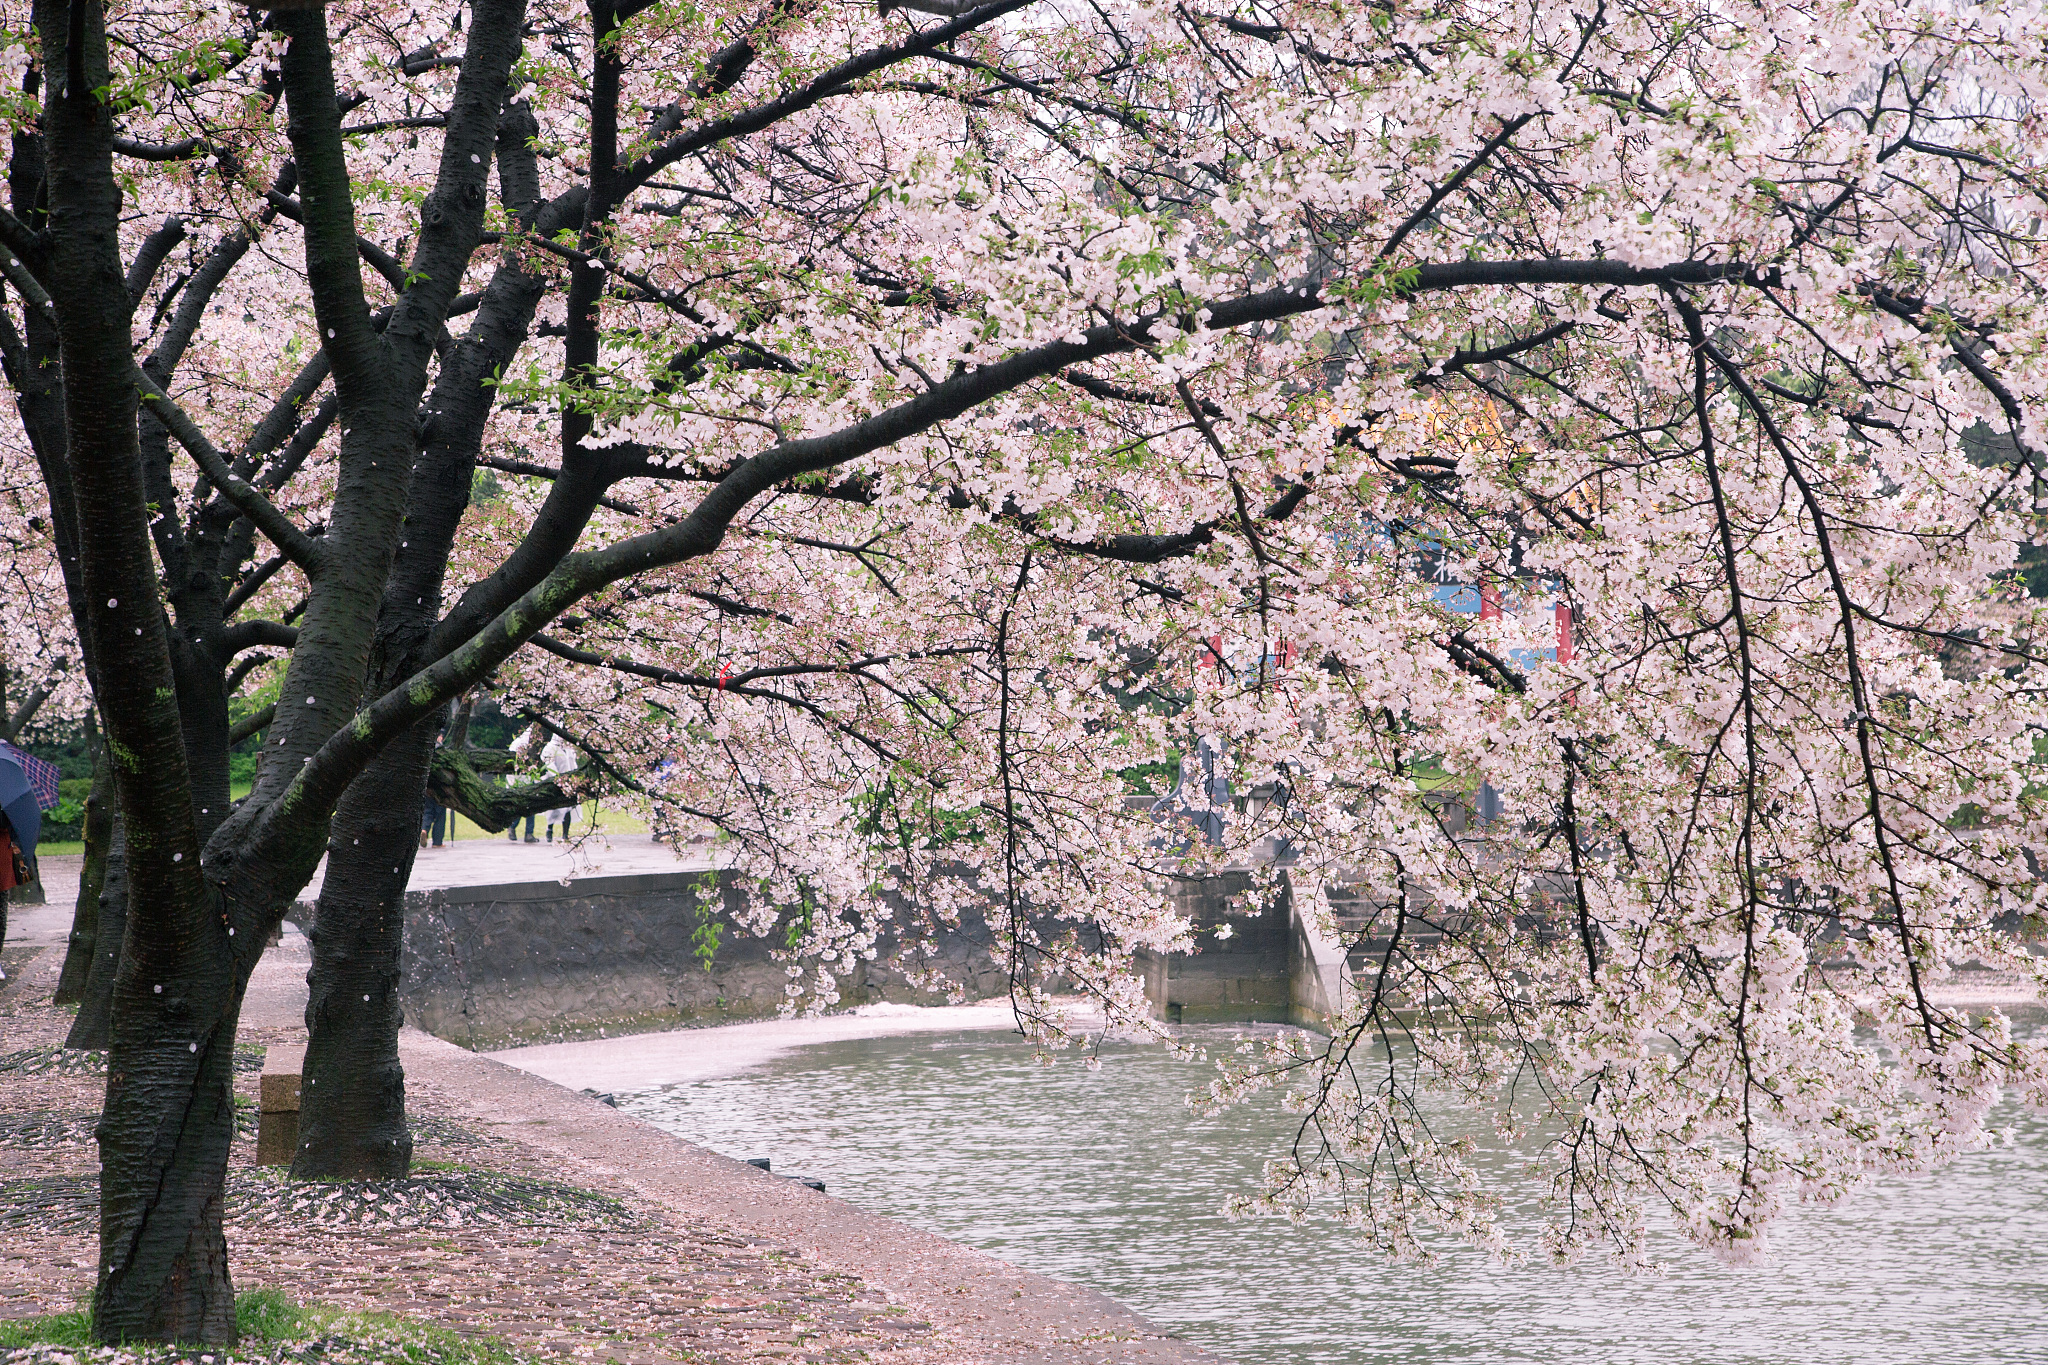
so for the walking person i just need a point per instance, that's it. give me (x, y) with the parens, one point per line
(521, 747)
(434, 818)
(14, 871)
(28, 787)
(560, 757)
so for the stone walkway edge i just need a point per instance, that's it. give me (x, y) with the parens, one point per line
(729, 1262)
(994, 1309)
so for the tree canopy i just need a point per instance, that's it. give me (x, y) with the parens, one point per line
(868, 435)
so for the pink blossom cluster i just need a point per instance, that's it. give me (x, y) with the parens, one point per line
(1204, 344)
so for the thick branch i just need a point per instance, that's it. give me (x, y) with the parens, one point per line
(327, 209)
(250, 586)
(150, 255)
(261, 511)
(183, 150)
(250, 724)
(1462, 359)
(454, 781)
(576, 575)
(257, 634)
(530, 470)
(823, 86)
(24, 713)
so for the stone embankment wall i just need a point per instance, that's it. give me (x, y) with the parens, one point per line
(491, 966)
(1242, 975)
(1272, 964)
(496, 966)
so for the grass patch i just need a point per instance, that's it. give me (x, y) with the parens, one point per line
(273, 1326)
(590, 816)
(605, 820)
(420, 1343)
(263, 1317)
(72, 1330)
(267, 1315)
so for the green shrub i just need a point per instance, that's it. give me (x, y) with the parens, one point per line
(1151, 779)
(64, 822)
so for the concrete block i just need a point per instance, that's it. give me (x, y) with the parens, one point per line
(277, 1119)
(279, 1088)
(277, 1137)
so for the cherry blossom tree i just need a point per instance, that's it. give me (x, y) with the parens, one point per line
(903, 422)
(43, 676)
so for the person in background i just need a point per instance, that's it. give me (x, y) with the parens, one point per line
(521, 747)
(433, 820)
(15, 870)
(661, 768)
(433, 815)
(560, 757)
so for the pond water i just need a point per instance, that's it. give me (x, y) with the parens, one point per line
(1106, 1179)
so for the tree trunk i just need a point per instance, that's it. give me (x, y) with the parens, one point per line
(163, 1256)
(94, 1026)
(85, 916)
(168, 1119)
(454, 781)
(352, 1107)
(180, 962)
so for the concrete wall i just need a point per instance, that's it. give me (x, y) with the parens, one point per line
(1275, 966)
(1316, 966)
(492, 966)
(1242, 976)
(488, 966)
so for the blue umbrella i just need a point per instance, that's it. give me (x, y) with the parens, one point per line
(18, 801)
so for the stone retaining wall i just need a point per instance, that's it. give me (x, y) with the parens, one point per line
(490, 966)
(1272, 964)
(496, 966)
(1242, 975)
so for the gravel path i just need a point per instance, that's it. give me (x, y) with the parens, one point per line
(541, 1216)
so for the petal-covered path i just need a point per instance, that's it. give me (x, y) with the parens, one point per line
(687, 1256)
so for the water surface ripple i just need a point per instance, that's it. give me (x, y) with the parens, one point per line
(1104, 1178)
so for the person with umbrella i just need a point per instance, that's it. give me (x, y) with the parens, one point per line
(28, 787)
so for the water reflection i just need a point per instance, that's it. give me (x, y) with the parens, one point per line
(1105, 1179)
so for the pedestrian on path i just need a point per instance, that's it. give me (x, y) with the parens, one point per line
(433, 820)
(433, 815)
(28, 787)
(521, 747)
(14, 871)
(561, 758)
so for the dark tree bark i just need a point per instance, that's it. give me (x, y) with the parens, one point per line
(351, 1116)
(35, 371)
(182, 969)
(454, 781)
(367, 657)
(163, 1260)
(94, 1025)
(352, 1107)
(85, 917)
